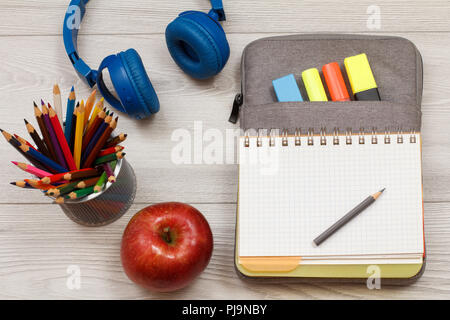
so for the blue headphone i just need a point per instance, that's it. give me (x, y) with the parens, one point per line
(196, 41)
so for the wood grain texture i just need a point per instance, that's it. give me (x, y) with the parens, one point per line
(35, 255)
(145, 17)
(38, 243)
(184, 101)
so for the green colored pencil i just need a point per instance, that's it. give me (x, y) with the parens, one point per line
(109, 158)
(103, 178)
(80, 193)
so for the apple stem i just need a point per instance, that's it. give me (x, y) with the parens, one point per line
(167, 235)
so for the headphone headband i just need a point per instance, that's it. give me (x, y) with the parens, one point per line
(72, 22)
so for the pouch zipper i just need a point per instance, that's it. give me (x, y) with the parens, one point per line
(237, 103)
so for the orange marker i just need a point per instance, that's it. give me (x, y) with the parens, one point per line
(335, 82)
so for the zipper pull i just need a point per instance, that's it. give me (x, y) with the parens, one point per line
(238, 101)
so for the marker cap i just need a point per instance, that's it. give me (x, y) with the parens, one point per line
(335, 82)
(286, 89)
(359, 73)
(313, 85)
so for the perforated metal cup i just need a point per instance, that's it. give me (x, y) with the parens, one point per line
(99, 209)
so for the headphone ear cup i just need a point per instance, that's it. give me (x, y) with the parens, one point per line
(135, 69)
(198, 44)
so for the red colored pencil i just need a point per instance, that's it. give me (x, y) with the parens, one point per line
(110, 150)
(69, 176)
(62, 139)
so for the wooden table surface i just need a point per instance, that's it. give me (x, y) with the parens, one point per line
(38, 242)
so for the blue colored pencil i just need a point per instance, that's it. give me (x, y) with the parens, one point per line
(69, 115)
(42, 159)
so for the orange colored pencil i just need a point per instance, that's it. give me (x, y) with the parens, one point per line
(97, 109)
(62, 139)
(88, 107)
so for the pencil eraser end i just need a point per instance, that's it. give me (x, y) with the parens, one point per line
(286, 89)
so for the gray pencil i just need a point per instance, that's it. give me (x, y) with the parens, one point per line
(349, 216)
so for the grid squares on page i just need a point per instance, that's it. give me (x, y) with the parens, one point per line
(289, 194)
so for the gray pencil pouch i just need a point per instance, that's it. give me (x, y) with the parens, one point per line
(396, 65)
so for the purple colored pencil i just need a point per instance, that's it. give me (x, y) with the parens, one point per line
(55, 142)
(109, 173)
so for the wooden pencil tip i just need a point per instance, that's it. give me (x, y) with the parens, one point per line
(25, 120)
(382, 189)
(15, 162)
(46, 180)
(56, 89)
(42, 103)
(35, 105)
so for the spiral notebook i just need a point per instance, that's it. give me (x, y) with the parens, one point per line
(293, 187)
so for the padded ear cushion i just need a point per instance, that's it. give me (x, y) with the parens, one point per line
(198, 44)
(140, 80)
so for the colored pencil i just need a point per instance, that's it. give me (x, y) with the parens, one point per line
(59, 154)
(22, 140)
(93, 129)
(87, 183)
(98, 108)
(74, 126)
(30, 169)
(109, 172)
(96, 137)
(77, 194)
(110, 150)
(109, 157)
(62, 190)
(88, 108)
(42, 159)
(116, 140)
(72, 175)
(16, 144)
(44, 131)
(35, 184)
(57, 103)
(36, 138)
(22, 184)
(100, 144)
(62, 139)
(100, 182)
(69, 113)
(79, 135)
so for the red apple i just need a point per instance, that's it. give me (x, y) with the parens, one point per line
(166, 245)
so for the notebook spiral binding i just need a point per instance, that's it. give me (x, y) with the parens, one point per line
(349, 137)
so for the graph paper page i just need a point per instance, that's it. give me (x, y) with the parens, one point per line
(288, 195)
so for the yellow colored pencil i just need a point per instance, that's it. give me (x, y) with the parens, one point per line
(88, 108)
(97, 109)
(79, 135)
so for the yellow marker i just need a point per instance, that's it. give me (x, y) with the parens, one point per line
(361, 78)
(313, 85)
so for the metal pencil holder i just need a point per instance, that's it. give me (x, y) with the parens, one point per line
(99, 209)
